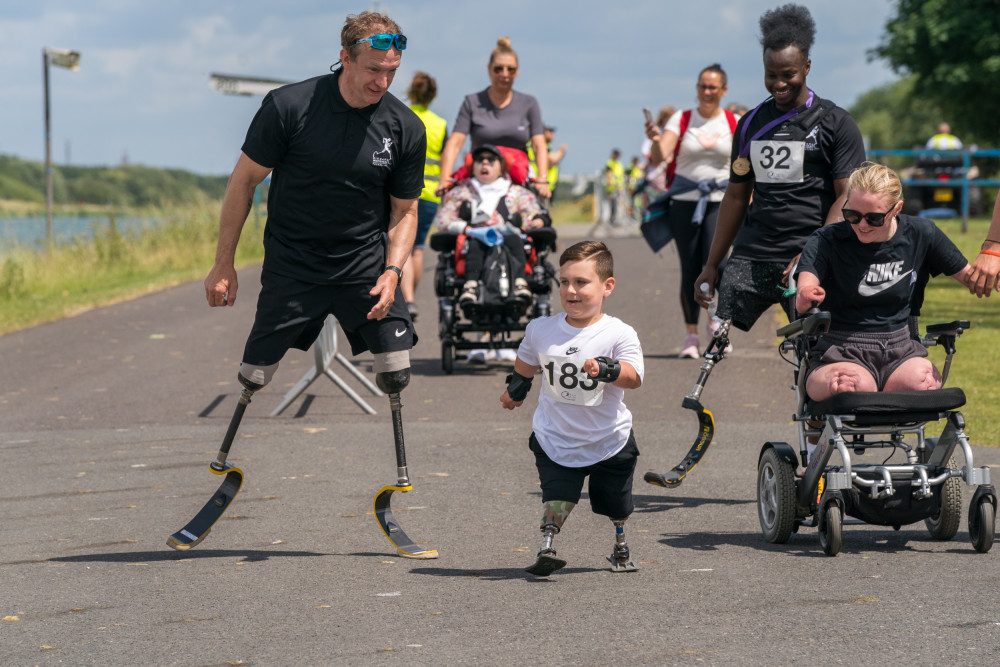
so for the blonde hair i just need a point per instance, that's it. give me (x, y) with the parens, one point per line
(503, 48)
(876, 179)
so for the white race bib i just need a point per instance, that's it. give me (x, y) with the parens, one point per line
(778, 161)
(564, 379)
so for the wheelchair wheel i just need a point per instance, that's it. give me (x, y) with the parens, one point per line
(982, 519)
(447, 358)
(831, 535)
(945, 525)
(775, 497)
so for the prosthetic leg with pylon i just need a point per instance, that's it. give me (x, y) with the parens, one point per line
(714, 353)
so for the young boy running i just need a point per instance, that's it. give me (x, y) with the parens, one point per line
(581, 427)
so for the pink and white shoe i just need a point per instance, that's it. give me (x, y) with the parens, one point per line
(689, 350)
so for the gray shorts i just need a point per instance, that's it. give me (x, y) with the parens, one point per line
(879, 353)
(749, 288)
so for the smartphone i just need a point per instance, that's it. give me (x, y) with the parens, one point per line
(648, 115)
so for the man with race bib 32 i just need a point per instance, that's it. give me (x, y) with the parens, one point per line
(793, 154)
(581, 427)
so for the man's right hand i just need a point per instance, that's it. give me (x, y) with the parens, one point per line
(708, 275)
(221, 286)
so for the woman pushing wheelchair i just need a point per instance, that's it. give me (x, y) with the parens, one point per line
(869, 271)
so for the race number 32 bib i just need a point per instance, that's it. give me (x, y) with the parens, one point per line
(778, 161)
(564, 379)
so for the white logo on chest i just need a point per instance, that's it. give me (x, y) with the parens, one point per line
(881, 277)
(377, 158)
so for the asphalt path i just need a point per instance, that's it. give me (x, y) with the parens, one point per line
(110, 418)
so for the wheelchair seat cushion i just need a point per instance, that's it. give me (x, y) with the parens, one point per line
(889, 406)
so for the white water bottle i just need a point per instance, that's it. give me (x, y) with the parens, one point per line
(714, 302)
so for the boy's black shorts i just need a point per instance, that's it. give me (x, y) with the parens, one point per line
(291, 313)
(610, 485)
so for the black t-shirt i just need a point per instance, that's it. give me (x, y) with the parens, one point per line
(876, 286)
(793, 167)
(334, 168)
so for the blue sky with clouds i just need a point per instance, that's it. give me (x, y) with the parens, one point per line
(143, 86)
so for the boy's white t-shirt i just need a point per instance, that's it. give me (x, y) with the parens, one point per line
(579, 421)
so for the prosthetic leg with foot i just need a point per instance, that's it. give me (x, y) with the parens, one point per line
(620, 558)
(715, 353)
(554, 515)
(393, 382)
(201, 525)
(547, 562)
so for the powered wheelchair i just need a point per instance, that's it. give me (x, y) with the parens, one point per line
(915, 479)
(501, 316)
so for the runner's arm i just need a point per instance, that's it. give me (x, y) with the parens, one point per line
(732, 210)
(402, 232)
(221, 284)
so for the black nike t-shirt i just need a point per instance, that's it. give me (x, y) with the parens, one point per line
(793, 167)
(334, 169)
(877, 286)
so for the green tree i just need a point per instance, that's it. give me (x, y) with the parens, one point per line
(893, 116)
(953, 49)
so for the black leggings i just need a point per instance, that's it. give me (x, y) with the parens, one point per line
(475, 255)
(693, 243)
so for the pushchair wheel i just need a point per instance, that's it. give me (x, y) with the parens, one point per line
(831, 534)
(775, 497)
(982, 518)
(447, 358)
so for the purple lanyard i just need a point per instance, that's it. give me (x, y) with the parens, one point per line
(745, 145)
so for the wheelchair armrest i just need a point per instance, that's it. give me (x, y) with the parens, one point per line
(945, 334)
(443, 241)
(544, 238)
(814, 323)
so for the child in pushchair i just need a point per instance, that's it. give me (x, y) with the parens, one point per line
(492, 242)
(863, 382)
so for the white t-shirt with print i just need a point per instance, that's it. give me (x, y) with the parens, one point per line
(579, 421)
(705, 149)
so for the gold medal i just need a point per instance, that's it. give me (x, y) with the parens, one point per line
(741, 166)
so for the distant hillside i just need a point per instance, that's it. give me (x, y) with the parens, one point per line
(132, 185)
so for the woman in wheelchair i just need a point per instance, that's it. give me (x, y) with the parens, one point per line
(490, 210)
(869, 272)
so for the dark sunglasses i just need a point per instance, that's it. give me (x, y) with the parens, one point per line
(855, 217)
(509, 68)
(384, 40)
(485, 157)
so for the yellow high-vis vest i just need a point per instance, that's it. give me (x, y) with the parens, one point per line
(437, 132)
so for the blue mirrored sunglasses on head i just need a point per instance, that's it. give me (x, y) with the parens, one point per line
(384, 40)
(855, 217)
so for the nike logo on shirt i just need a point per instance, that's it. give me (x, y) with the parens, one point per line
(881, 277)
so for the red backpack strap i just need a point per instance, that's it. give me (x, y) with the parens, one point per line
(672, 167)
(731, 117)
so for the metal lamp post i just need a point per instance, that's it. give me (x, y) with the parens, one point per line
(70, 60)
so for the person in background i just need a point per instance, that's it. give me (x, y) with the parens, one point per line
(698, 141)
(499, 116)
(423, 90)
(555, 157)
(613, 178)
(944, 140)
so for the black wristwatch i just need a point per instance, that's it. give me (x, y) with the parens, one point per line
(398, 271)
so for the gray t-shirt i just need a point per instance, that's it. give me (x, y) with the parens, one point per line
(512, 126)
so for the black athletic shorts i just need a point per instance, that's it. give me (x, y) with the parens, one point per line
(291, 313)
(749, 288)
(610, 480)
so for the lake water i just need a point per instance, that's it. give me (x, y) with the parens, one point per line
(30, 231)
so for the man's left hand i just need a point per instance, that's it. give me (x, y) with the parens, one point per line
(385, 290)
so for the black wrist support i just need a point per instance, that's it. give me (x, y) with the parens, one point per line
(609, 369)
(518, 386)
